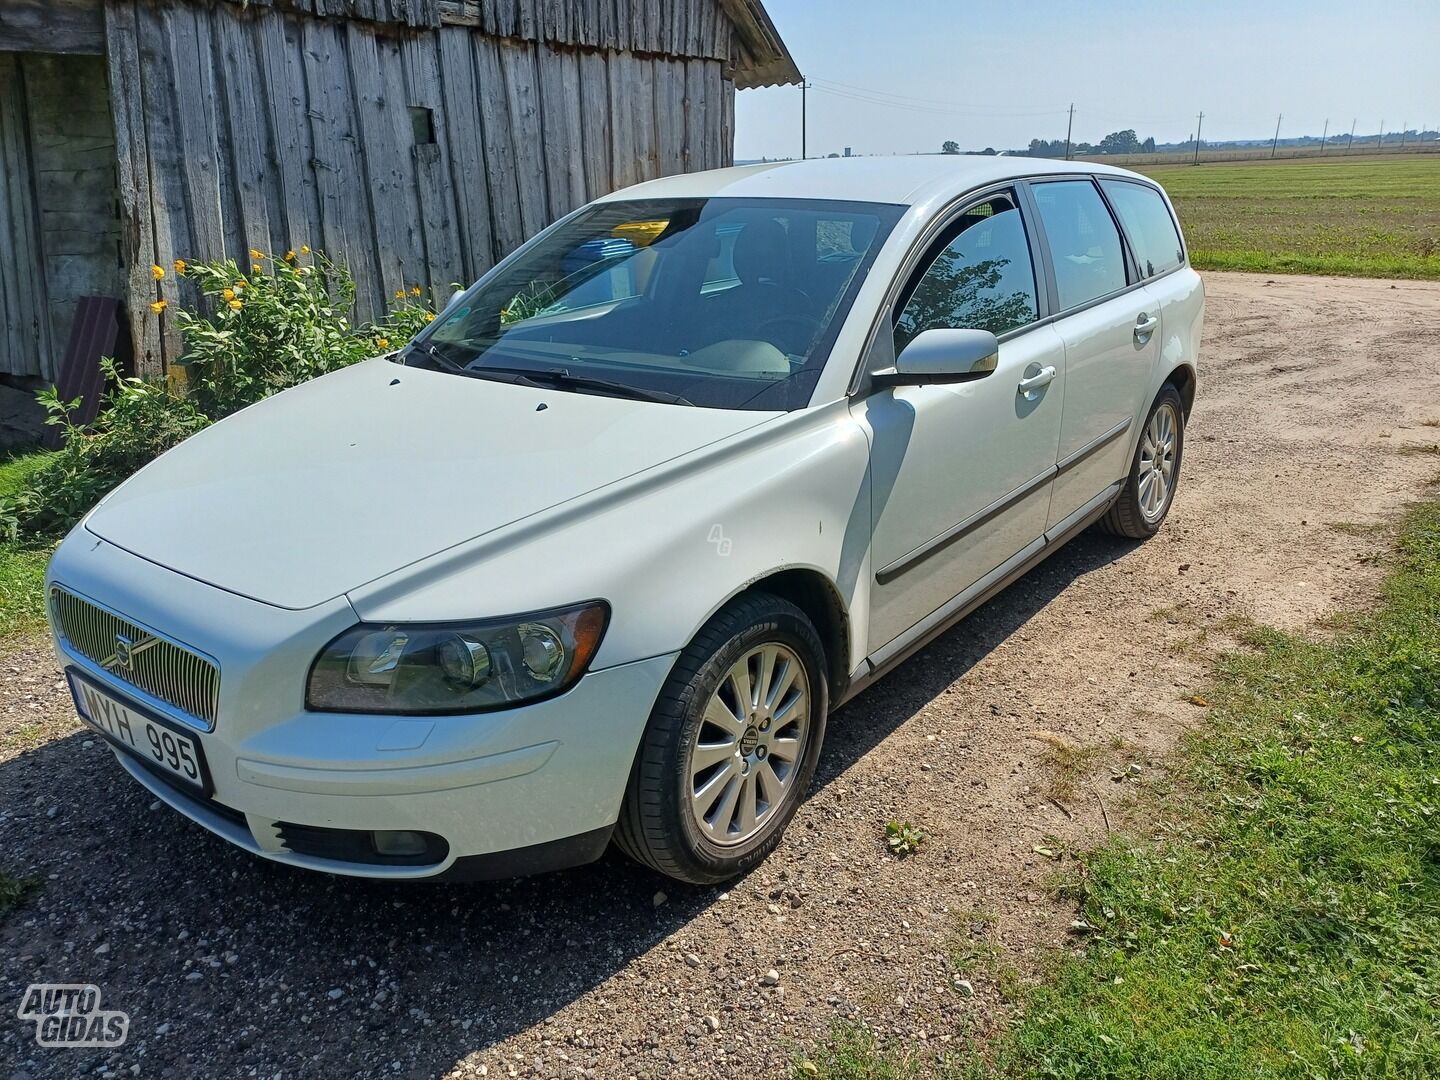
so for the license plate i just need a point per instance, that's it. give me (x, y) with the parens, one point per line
(160, 744)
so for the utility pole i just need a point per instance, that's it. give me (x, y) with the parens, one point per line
(1198, 125)
(804, 119)
(1069, 127)
(1404, 130)
(1325, 135)
(1381, 137)
(1350, 141)
(1276, 141)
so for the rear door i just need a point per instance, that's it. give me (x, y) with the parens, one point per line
(1109, 323)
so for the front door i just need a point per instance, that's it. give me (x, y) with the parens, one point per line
(961, 473)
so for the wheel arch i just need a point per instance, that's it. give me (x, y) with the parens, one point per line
(816, 595)
(1184, 380)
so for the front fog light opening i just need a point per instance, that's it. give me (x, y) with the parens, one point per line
(399, 845)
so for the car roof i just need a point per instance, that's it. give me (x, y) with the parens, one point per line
(906, 181)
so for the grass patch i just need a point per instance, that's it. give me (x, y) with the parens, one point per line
(1374, 218)
(1284, 918)
(13, 891)
(22, 565)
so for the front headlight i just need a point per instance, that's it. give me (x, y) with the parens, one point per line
(433, 668)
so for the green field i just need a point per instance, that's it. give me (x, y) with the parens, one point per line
(1364, 218)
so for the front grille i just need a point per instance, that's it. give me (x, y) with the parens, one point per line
(161, 668)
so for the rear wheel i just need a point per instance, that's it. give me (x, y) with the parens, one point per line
(1154, 474)
(731, 746)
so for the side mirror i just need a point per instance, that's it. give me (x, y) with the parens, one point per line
(943, 356)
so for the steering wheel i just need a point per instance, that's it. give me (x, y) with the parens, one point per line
(802, 329)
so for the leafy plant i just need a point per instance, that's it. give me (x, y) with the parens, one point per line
(902, 838)
(283, 323)
(139, 421)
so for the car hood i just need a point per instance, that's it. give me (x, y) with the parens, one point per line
(323, 488)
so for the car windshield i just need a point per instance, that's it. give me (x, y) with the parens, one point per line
(719, 303)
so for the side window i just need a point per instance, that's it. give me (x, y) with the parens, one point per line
(1084, 243)
(983, 279)
(1148, 224)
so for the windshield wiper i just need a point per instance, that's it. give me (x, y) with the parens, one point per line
(564, 378)
(431, 350)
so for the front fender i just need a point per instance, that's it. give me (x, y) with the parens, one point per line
(668, 548)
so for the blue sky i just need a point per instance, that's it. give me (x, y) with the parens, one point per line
(999, 73)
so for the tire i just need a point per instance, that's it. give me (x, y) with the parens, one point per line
(700, 736)
(1138, 513)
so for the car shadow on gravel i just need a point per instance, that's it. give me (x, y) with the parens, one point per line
(232, 965)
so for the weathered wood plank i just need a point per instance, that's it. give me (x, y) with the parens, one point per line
(727, 124)
(595, 137)
(465, 141)
(624, 168)
(283, 79)
(186, 47)
(245, 136)
(669, 85)
(697, 118)
(522, 93)
(52, 26)
(399, 130)
(344, 195)
(382, 174)
(133, 168)
(25, 349)
(437, 203)
(499, 147)
(564, 123)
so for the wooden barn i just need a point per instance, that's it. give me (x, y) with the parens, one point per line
(417, 140)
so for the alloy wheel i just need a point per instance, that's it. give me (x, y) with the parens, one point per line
(1157, 462)
(749, 744)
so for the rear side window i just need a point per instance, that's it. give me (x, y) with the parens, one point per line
(1084, 243)
(983, 278)
(1148, 224)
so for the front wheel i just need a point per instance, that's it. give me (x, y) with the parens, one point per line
(1154, 474)
(731, 745)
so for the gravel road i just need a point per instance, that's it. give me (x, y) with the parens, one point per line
(1316, 419)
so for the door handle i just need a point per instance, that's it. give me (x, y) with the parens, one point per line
(1145, 325)
(1030, 385)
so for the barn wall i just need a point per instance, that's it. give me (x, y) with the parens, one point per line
(24, 329)
(262, 128)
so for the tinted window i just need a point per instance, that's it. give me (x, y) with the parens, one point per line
(727, 303)
(1148, 224)
(1084, 243)
(982, 280)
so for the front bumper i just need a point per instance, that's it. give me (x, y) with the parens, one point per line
(514, 791)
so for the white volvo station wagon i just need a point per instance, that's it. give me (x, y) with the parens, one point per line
(595, 556)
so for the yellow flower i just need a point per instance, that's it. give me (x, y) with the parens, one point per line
(289, 256)
(236, 305)
(383, 342)
(429, 316)
(304, 249)
(157, 272)
(256, 268)
(415, 290)
(256, 254)
(399, 294)
(159, 305)
(181, 266)
(239, 285)
(228, 294)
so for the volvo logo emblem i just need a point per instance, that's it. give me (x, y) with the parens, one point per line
(124, 653)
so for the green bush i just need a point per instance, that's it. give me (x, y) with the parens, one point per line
(281, 324)
(139, 421)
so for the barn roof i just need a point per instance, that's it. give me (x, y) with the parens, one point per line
(759, 55)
